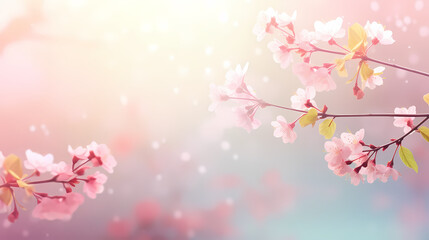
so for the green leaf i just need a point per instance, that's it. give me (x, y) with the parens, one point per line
(424, 131)
(407, 158)
(327, 128)
(309, 118)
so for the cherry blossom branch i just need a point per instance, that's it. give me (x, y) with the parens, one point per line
(325, 115)
(54, 207)
(52, 180)
(77, 168)
(372, 115)
(286, 108)
(349, 148)
(366, 58)
(317, 49)
(399, 140)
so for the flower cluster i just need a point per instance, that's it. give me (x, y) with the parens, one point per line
(304, 44)
(53, 207)
(342, 153)
(348, 155)
(236, 89)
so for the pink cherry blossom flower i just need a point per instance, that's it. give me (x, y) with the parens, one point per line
(284, 130)
(281, 53)
(356, 178)
(79, 152)
(1, 159)
(235, 79)
(38, 162)
(58, 208)
(340, 169)
(370, 171)
(102, 156)
(353, 141)
(307, 36)
(62, 170)
(94, 185)
(338, 153)
(284, 19)
(384, 172)
(375, 79)
(359, 158)
(265, 23)
(323, 80)
(405, 122)
(245, 117)
(302, 97)
(217, 95)
(377, 33)
(329, 30)
(319, 78)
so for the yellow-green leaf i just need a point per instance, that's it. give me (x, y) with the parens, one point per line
(424, 131)
(327, 128)
(353, 78)
(5, 196)
(309, 118)
(407, 158)
(340, 64)
(28, 188)
(365, 71)
(357, 37)
(426, 98)
(13, 165)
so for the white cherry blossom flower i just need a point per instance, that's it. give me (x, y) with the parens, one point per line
(377, 33)
(329, 30)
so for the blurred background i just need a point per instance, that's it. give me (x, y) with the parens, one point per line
(136, 74)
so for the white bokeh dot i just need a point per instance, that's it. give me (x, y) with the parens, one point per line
(401, 73)
(424, 31)
(225, 145)
(185, 156)
(413, 59)
(265, 79)
(223, 17)
(226, 64)
(177, 214)
(209, 51)
(155, 145)
(374, 6)
(418, 5)
(158, 177)
(202, 169)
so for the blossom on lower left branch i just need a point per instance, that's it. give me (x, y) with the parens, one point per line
(54, 207)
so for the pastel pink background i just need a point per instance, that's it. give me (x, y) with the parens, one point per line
(135, 75)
